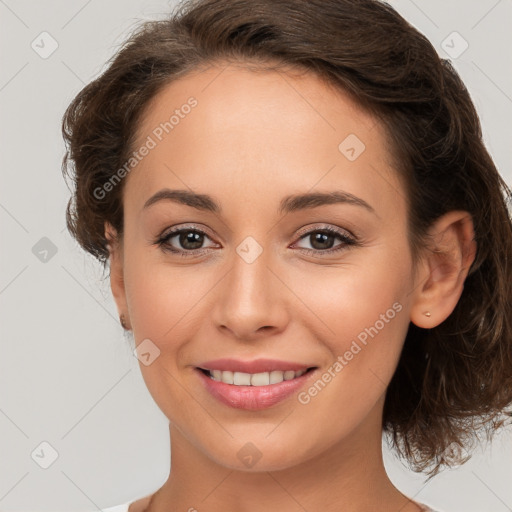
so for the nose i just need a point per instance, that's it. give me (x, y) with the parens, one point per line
(250, 301)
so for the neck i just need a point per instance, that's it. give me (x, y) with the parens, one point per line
(349, 476)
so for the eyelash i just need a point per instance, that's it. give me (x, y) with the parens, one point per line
(163, 241)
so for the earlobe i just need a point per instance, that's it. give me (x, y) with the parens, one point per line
(117, 274)
(451, 251)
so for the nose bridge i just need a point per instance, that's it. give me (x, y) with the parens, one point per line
(250, 271)
(249, 296)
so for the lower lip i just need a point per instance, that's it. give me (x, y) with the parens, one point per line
(253, 398)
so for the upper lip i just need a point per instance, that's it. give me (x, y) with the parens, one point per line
(255, 366)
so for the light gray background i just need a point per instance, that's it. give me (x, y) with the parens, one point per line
(67, 374)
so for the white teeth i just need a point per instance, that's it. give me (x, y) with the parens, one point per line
(227, 376)
(260, 379)
(254, 379)
(242, 379)
(275, 377)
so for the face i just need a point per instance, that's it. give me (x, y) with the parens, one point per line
(257, 273)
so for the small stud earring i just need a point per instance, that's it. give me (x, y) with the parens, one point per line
(427, 313)
(123, 323)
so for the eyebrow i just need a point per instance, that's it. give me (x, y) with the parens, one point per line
(288, 204)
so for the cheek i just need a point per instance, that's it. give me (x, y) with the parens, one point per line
(351, 299)
(161, 301)
(367, 306)
(160, 295)
(361, 316)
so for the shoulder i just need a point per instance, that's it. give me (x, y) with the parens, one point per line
(140, 505)
(424, 508)
(136, 506)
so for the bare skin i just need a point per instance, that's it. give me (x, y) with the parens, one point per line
(252, 139)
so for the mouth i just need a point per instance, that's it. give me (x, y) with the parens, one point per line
(254, 379)
(254, 391)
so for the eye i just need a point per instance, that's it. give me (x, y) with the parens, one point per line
(190, 241)
(322, 240)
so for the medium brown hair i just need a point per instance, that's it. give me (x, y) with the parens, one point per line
(451, 380)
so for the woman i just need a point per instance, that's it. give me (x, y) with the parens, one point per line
(309, 243)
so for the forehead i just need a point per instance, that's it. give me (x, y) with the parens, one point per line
(271, 130)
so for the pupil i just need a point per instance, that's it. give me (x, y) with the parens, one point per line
(191, 237)
(322, 238)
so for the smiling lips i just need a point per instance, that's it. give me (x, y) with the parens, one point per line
(252, 385)
(254, 379)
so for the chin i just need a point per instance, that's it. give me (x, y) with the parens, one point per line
(260, 455)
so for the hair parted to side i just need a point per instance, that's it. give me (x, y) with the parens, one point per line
(452, 380)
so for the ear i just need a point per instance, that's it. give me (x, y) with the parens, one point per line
(444, 267)
(117, 272)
